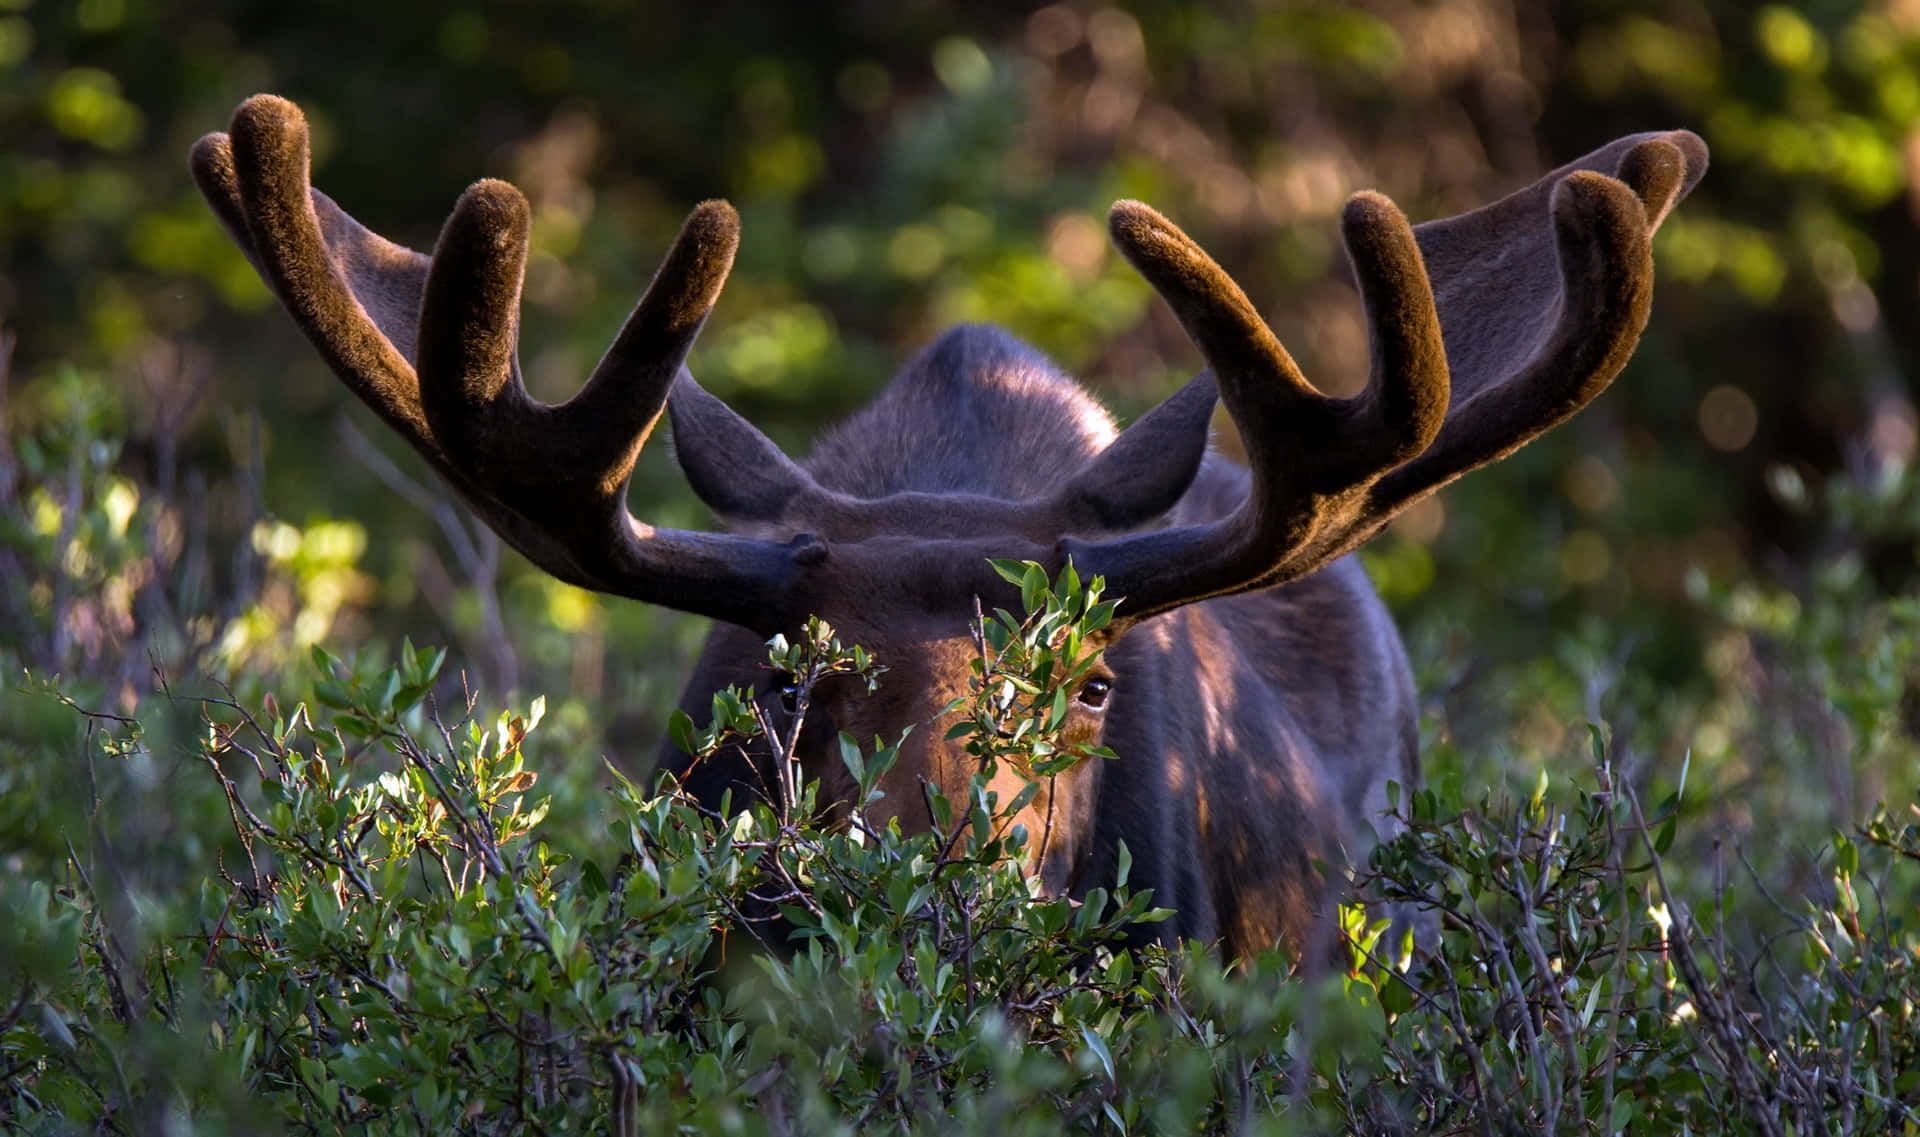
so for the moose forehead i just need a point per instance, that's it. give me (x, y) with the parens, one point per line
(911, 586)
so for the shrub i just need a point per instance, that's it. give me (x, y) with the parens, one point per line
(392, 939)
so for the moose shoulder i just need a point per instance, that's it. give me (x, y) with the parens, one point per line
(1253, 686)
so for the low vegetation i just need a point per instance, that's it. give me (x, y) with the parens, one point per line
(363, 913)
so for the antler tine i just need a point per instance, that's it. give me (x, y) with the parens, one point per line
(211, 161)
(1307, 451)
(1408, 384)
(1606, 270)
(257, 180)
(469, 321)
(1272, 403)
(550, 479)
(1262, 387)
(387, 279)
(1541, 296)
(469, 324)
(1591, 294)
(631, 383)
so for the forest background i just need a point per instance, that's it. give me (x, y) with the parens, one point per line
(1715, 561)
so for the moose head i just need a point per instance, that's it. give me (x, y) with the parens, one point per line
(1253, 686)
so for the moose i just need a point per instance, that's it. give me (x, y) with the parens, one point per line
(1253, 686)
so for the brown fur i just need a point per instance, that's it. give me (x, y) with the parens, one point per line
(1261, 701)
(1256, 733)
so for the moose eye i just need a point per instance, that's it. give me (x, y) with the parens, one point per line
(1093, 693)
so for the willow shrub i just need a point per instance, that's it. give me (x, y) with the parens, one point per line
(394, 938)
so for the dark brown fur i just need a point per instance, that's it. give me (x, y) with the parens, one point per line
(1256, 733)
(1260, 698)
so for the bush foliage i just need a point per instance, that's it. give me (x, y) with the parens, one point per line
(390, 937)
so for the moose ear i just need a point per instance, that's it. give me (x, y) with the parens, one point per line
(1147, 468)
(737, 471)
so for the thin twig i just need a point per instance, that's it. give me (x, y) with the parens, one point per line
(1722, 1026)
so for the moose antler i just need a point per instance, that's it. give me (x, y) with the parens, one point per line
(430, 345)
(1485, 330)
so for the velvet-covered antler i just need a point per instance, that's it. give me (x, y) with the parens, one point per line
(430, 344)
(1485, 329)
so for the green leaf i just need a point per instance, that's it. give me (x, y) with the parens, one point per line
(1097, 1046)
(1057, 716)
(851, 758)
(1033, 587)
(1011, 571)
(55, 1027)
(1846, 855)
(426, 1096)
(1663, 839)
(1621, 1112)
(388, 690)
(883, 757)
(680, 730)
(593, 883)
(1396, 997)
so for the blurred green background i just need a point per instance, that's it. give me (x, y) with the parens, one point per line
(1714, 560)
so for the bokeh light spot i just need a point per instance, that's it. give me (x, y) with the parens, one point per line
(916, 251)
(962, 66)
(1728, 418)
(1585, 557)
(1590, 485)
(832, 252)
(16, 40)
(1079, 244)
(1792, 42)
(1054, 30)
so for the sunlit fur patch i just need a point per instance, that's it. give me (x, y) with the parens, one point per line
(1007, 425)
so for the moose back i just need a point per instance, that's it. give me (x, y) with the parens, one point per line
(1253, 686)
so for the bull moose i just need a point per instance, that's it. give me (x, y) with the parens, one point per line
(1253, 686)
